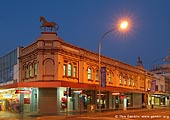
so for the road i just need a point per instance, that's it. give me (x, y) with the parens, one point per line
(155, 114)
(138, 114)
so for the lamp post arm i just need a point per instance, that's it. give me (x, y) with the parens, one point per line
(102, 37)
(100, 44)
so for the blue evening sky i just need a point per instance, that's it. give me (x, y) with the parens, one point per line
(82, 23)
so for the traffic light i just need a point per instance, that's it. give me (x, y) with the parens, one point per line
(69, 92)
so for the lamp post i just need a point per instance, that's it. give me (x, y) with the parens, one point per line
(123, 25)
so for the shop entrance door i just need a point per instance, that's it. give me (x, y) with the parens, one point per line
(117, 102)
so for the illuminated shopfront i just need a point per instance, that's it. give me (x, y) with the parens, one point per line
(24, 98)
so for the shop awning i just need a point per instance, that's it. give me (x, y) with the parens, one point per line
(55, 84)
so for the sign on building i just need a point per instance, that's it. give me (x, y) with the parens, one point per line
(103, 76)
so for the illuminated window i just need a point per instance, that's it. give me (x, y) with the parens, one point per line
(69, 69)
(30, 71)
(35, 69)
(129, 82)
(64, 69)
(75, 71)
(125, 80)
(142, 82)
(134, 82)
(97, 74)
(109, 77)
(120, 79)
(89, 73)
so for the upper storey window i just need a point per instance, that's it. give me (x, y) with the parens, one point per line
(121, 79)
(64, 69)
(69, 69)
(89, 73)
(110, 77)
(97, 74)
(35, 69)
(30, 70)
(74, 71)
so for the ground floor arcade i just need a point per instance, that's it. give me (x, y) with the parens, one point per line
(63, 97)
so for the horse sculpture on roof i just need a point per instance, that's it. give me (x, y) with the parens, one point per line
(52, 25)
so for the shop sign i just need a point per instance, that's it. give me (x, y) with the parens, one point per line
(77, 91)
(115, 93)
(122, 96)
(22, 92)
(26, 100)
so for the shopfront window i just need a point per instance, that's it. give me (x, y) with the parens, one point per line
(129, 100)
(103, 100)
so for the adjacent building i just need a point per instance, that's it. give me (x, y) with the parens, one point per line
(162, 91)
(9, 75)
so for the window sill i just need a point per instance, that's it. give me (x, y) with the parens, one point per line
(90, 80)
(110, 82)
(70, 77)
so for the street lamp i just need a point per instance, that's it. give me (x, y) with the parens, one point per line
(122, 26)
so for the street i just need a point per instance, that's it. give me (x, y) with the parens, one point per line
(136, 114)
(156, 114)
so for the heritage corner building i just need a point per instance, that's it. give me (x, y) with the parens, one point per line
(51, 75)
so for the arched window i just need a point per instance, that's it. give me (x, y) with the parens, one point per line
(120, 79)
(125, 79)
(97, 74)
(110, 77)
(133, 81)
(129, 81)
(75, 71)
(64, 69)
(35, 69)
(69, 69)
(30, 70)
(89, 73)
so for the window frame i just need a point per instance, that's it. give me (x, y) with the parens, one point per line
(89, 73)
(69, 70)
(35, 69)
